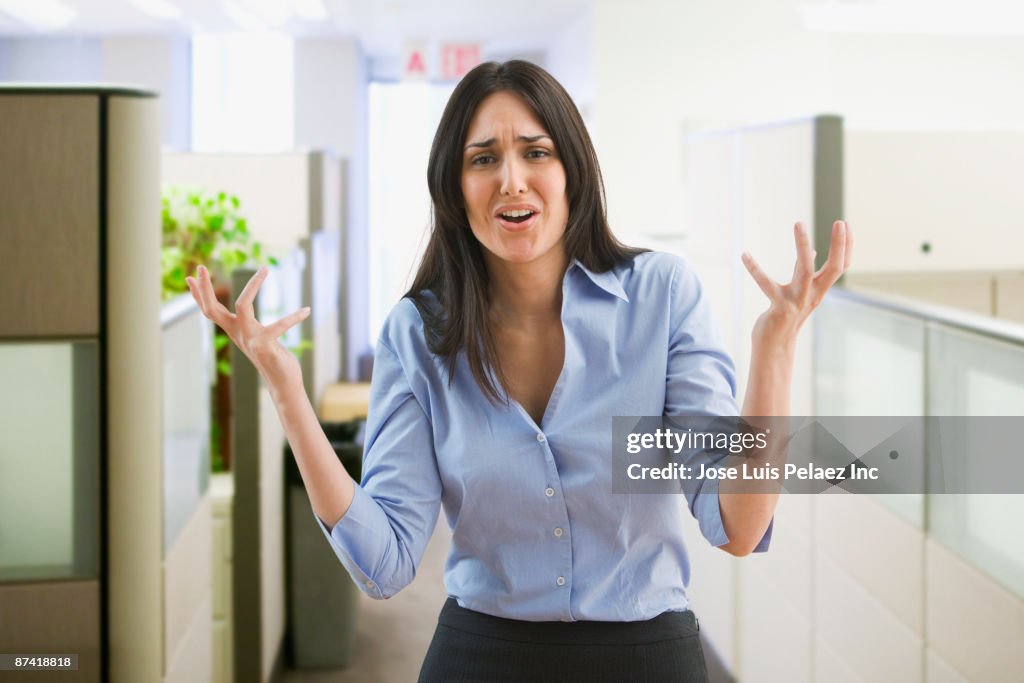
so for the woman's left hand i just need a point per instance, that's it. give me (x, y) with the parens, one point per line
(792, 303)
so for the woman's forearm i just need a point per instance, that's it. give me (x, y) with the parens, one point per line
(328, 484)
(746, 516)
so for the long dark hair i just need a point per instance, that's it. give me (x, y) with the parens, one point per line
(453, 270)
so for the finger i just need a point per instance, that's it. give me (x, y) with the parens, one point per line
(834, 265)
(244, 302)
(804, 268)
(849, 247)
(767, 285)
(287, 322)
(211, 308)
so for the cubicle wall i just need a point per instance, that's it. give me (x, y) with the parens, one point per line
(258, 546)
(104, 531)
(858, 588)
(186, 340)
(749, 187)
(918, 587)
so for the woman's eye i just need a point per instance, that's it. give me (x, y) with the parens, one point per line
(538, 154)
(482, 160)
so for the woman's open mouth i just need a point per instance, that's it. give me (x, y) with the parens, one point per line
(518, 219)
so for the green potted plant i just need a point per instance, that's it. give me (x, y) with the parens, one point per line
(202, 228)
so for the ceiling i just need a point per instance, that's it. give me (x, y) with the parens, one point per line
(382, 26)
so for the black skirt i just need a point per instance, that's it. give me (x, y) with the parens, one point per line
(472, 647)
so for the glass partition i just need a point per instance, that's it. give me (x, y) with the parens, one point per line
(869, 361)
(977, 376)
(186, 340)
(49, 460)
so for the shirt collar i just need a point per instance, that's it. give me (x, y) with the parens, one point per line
(607, 280)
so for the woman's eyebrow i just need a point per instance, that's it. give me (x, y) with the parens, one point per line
(522, 138)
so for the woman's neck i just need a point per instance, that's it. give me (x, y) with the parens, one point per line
(527, 294)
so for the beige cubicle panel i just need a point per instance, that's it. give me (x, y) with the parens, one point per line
(80, 276)
(135, 513)
(933, 200)
(50, 184)
(80, 266)
(50, 581)
(257, 524)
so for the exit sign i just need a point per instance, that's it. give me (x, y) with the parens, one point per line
(449, 63)
(458, 59)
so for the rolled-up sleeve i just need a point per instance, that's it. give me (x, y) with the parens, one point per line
(381, 538)
(701, 380)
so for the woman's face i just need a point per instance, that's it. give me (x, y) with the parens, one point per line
(513, 183)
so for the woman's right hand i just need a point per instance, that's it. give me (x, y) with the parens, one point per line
(279, 366)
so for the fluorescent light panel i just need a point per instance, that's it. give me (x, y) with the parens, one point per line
(159, 9)
(42, 15)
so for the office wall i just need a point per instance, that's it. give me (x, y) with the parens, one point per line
(331, 112)
(162, 64)
(660, 64)
(57, 60)
(571, 60)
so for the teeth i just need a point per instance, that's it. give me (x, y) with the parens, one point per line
(516, 214)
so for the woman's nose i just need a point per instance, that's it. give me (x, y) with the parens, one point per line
(513, 177)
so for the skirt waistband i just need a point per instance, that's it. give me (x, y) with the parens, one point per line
(665, 626)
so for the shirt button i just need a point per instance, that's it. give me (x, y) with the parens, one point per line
(549, 492)
(558, 531)
(368, 584)
(560, 580)
(541, 438)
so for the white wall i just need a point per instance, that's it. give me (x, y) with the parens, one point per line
(331, 105)
(663, 66)
(159, 63)
(570, 59)
(54, 60)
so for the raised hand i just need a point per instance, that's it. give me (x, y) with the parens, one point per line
(258, 342)
(792, 303)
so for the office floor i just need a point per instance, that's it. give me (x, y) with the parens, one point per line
(407, 623)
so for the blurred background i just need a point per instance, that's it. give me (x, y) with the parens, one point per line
(151, 519)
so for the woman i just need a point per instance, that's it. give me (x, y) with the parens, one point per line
(527, 328)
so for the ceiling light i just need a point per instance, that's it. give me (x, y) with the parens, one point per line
(310, 10)
(42, 15)
(160, 9)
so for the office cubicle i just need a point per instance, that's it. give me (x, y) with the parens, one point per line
(187, 567)
(258, 543)
(895, 587)
(79, 329)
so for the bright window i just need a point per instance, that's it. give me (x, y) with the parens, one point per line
(403, 117)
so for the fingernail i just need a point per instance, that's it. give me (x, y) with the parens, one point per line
(842, 227)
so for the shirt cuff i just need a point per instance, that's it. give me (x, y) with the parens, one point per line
(354, 530)
(709, 517)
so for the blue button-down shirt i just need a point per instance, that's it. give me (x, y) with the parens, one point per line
(537, 533)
